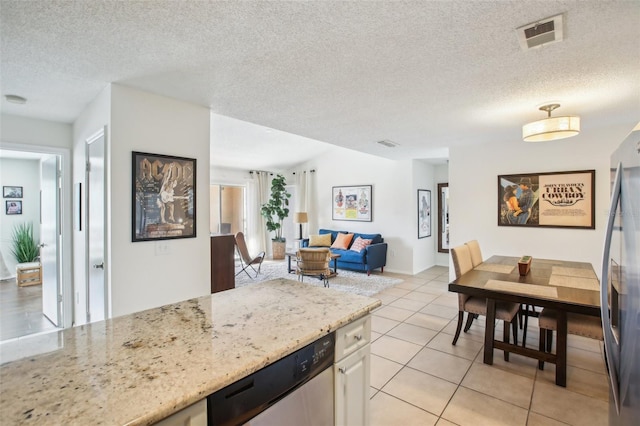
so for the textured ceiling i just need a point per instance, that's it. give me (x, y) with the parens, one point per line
(424, 74)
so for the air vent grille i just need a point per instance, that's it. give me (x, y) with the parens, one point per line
(540, 33)
(388, 143)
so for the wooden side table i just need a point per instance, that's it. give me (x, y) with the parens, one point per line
(28, 274)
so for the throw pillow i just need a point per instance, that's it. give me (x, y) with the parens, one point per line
(323, 240)
(360, 244)
(342, 241)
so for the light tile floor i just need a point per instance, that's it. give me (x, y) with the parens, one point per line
(419, 378)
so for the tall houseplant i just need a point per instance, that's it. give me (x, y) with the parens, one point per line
(23, 246)
(275, 212)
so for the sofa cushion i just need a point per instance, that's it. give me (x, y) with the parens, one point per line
(342, 241)
(323, 240)
(375, 238)
(360, 244)
(350, 256)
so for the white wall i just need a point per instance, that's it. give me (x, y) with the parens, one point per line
(22, 130)
(24, 173)
(146, 122)
(473, 172)
(394, 202)
(425, 249)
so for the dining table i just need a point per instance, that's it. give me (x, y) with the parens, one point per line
(565, 286)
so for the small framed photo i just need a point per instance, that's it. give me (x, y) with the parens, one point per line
(424, 213)
(12, 192)
(14, 206)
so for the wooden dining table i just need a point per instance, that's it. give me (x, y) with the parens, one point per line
(562, 285)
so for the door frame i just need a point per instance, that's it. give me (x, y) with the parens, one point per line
(66, 209)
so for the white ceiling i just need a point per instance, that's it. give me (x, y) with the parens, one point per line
(425, 74)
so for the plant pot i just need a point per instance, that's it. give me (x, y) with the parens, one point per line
(277, 249)
(524, 265)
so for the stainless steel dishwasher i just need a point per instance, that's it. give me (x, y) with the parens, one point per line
(295, 390)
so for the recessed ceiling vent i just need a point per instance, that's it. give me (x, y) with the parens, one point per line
(539, 33)
(388, 143)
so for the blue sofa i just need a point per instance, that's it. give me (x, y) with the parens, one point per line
(372, 257)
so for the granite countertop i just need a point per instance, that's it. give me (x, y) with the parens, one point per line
(141, 368)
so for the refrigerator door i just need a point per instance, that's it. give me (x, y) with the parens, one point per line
(620, 293)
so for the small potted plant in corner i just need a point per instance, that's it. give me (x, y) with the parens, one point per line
(275, 212)
(26, 251)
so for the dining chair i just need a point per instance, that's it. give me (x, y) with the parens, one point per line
(578, 324)
(476, 253)
(505, 311)
(246, 260)
(314, 262)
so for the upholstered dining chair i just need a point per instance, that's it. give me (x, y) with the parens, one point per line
(314, 262)
(505, 311)
(578, 324)
(476, 253)
(246, 260)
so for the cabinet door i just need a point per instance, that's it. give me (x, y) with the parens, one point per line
(352, 388)
(193, 415)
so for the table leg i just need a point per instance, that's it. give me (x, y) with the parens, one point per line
(561, 348)
(289, 264)
(335, 266)
(489, 331)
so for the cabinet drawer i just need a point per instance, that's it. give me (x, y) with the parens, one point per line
(352, 337)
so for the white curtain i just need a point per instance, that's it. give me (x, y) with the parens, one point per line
(257, 195)
(304, 180)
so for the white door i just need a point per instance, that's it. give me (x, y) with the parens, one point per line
(96, 289)
(50, 238)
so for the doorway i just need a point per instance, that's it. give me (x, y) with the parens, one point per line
(43, 174)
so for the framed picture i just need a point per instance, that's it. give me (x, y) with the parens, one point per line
(12, 192)
(556, 200)
(14, 207)
(164, 197)
(424, 213)
(351, 203)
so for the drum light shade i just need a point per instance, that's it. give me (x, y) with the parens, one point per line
(300, 217)
(551, 128)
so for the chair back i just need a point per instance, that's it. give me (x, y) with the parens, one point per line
(462, 263)
(313, 261)
(242, 248)
(476, 254)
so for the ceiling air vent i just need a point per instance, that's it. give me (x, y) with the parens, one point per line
(539, 33)
(388, 143)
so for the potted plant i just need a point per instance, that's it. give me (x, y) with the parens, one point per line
(23, 246)
(275, 212)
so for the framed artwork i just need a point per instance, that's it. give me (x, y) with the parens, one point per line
(164, 197)
(12, 192)
(555, 200)
(13, 207)
(424, 213)
(351, 203)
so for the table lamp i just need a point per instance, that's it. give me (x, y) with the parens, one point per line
(300, 217)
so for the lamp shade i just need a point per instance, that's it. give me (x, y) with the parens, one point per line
(300, 217)
(551, 128)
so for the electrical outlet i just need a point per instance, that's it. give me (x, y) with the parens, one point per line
(162, 248)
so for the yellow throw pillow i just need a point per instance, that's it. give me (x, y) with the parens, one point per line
(342, 241)
(323, 240)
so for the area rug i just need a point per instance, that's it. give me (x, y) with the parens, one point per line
(347, 281)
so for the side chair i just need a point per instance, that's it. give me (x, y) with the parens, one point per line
(314, 262)
(505, 311)
(246, 261)
(578, 324)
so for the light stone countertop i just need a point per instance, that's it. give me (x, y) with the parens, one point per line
(141, 368)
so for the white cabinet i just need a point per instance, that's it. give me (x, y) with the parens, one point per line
(352, 371)
(193, 415)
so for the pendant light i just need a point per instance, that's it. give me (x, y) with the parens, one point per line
(551, 128)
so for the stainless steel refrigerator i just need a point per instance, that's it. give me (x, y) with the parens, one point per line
(620, 288)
